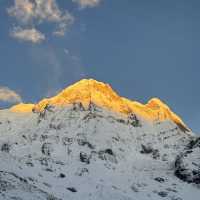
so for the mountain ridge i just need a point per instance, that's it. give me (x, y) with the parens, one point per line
(88, 91)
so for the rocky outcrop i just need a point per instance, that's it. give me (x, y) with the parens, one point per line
(187, 165)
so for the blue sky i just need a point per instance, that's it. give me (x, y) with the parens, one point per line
(142, 48)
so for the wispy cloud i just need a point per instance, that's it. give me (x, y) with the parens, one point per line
(34, 12)
(23, 10)
(87, 3)
(30, 35)
(63, 24)
(8, 95)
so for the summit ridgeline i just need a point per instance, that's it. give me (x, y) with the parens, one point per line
(88, 90)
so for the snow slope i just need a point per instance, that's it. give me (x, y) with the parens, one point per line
(90, 153)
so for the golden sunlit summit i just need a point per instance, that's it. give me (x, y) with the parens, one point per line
(101, 94)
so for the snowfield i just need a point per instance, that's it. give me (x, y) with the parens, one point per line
(73, 153)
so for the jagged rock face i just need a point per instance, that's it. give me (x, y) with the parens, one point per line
(89, 91)
(187, 164)
(80, 154)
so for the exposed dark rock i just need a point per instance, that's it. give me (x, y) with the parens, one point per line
(133, 120)
(44, 161)
(159, 179)
(155, 154)
(165, 157)
(187, 165)
(24, 137)
(61, 175)
(146, 149)
(109, 151)
(195, 142)
(82, 171)
(5, 185)
(55, 126)
(30, 164)
(90, 116)
(59, 162)
(78, 107)
(83, 142)
(121, 121)
(43, 137)
(49, 108)
(162, 194)
(171, 190)
(72, 189)
(49, 170)
(5, 147)
(47, 149)
(134, 188)
(107, 154)
(92, 107)
(67, 141)
(84, 158)
(182, 127)
(42, 114)
(51, 197)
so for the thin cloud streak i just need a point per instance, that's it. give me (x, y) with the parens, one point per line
(87, 3)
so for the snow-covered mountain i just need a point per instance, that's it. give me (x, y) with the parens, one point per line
(88, 143)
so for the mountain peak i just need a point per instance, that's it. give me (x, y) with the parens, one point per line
(89, 87)
(156, 101)
(86, 91)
